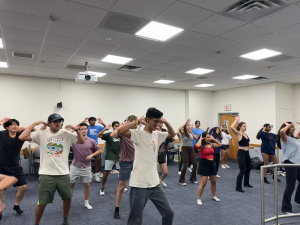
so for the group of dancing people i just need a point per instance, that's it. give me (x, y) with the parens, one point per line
(135, 147)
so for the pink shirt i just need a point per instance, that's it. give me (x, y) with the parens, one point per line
(81, 151)
(126, 149)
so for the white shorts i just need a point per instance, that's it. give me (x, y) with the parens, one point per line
(84, 173)
(110, 163)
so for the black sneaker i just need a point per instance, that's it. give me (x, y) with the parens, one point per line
(248, 185)
(17, 209)
(239, 189)
(116, 215)
(277, 179)
(266, 181)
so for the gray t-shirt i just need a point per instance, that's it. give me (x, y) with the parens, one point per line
(291, 150)
(187, 141)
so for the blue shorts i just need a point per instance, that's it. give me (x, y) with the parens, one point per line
(125, 170)
(224, 147)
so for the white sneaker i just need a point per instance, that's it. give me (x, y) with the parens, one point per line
(125, 190)
(96, 178)
(227, 166)
(99, 174)
(223, 166)
(199, 202)
(88, 206)
(163, 184)
(218, 176)
(216, 199)
(190, 170)
(183, 184)
(179, 172)
(191, 167)
(102, 193)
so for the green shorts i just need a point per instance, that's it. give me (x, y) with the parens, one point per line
(48, 184)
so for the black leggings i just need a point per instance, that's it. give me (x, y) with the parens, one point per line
(217, 161)
(292, 174)
(245, 167)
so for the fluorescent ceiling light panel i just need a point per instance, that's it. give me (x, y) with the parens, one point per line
(163, 81)
(261, 54)
(245, 77)
(158, 31)
(200, 71)
(3, 64)
(97, 74)
(1, 43)
(116, 59)
(204, 85)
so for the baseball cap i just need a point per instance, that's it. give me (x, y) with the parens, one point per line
(54, 117)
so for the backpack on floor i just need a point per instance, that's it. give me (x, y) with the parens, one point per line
(255, 163)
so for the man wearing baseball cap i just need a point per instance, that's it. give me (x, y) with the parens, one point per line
(54, 164)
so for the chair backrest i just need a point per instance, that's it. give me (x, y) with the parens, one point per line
(36, 154)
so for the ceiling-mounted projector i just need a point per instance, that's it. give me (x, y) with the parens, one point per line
(88, 76)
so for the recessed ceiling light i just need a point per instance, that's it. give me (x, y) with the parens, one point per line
(245, 77)
(163, 81)
(97, 74)
(3, 64)
(1, 43)
(158, 31)
(200, 71)
(204, 85)
(261, 54)
(116, 59)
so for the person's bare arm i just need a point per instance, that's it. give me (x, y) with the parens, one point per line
(181, 127)
(4, 120)
(217, 144)
(169, 128)
(232, 127)
(85, 120)
(199, 143)
(283, 133)
(101, 122)
(80, 138)
(108, 127)
(125, 130)
(25, 136)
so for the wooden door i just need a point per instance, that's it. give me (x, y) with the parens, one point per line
(228, 119)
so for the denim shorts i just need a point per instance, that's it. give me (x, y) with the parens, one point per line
(125, 170)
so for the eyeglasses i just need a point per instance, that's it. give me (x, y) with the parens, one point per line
(156, 121)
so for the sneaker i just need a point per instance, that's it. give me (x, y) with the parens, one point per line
(179, 172)
(116, 215)
(195, 182)
(99, 174)
(199, 202)
(163, 184)
(227, 166)
(96, 178)
(190, 170)
(114, 171)
(223, 166)
(88, 206)
(289, 213)
(17, 209)
(125, 190)
(266, 180)
(183, 184)
(218, 176)
(102, 193)
(239, 189)
(216, 199)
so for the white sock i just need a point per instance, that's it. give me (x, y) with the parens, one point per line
(87, 205)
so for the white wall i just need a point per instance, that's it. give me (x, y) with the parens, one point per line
(296, 95)
(31, 99)
(256, 105)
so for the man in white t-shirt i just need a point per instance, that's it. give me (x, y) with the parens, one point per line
(54, 162)
(144, 180)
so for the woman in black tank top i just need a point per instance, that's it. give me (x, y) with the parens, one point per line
(243, 154)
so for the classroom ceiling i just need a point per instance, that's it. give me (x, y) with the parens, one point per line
(69, 32)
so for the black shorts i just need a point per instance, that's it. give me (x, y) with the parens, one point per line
(224, 147)
(162, 157)
(268, 153)
(14, 171)
(207, 168)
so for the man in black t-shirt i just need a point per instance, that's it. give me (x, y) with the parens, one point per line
(10, 147)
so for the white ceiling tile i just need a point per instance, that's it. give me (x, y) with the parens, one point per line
(215, 57)
(81, 62)
(53, 50)
(89, 55)
(246, 33)
(69, 72)
(171, 49)
(45, 74)
(3, 59)
(54, 58)
(216, 25)
(153, 56)
(183, 15)
(114, 38)
(2, 52)
(60, 41)
(22, 72)
(108, 65)
(295, 53)
(141, 63)
(21, 66)
(190, 38)
(217, 44)
(140, 43)
(165, 66)
(97, 47)
(22, 46)
(193, 53)
(287, 46)
(127, 52)
(144, 9)
(22, 21)
(293, 31)
(213, 5)
(103, 4)
(151, 71)
(177, 60)
(26, 61)
(69, 30)
(281, 19)
(78, 13)
(271, 39)
(41, 8)
(52, 64)
(23, 35)
(48, 69)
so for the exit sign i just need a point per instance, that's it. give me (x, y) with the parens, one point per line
(227, 107)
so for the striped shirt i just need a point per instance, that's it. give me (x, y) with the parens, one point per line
(291, 150)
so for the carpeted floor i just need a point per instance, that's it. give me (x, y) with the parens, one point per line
(234, 208)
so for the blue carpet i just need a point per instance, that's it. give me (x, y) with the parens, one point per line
(234, 208)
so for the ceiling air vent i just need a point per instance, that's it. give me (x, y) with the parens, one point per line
(23, 55)
(251, 10)
(76, 67)
(260, 78)
(130, 68)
